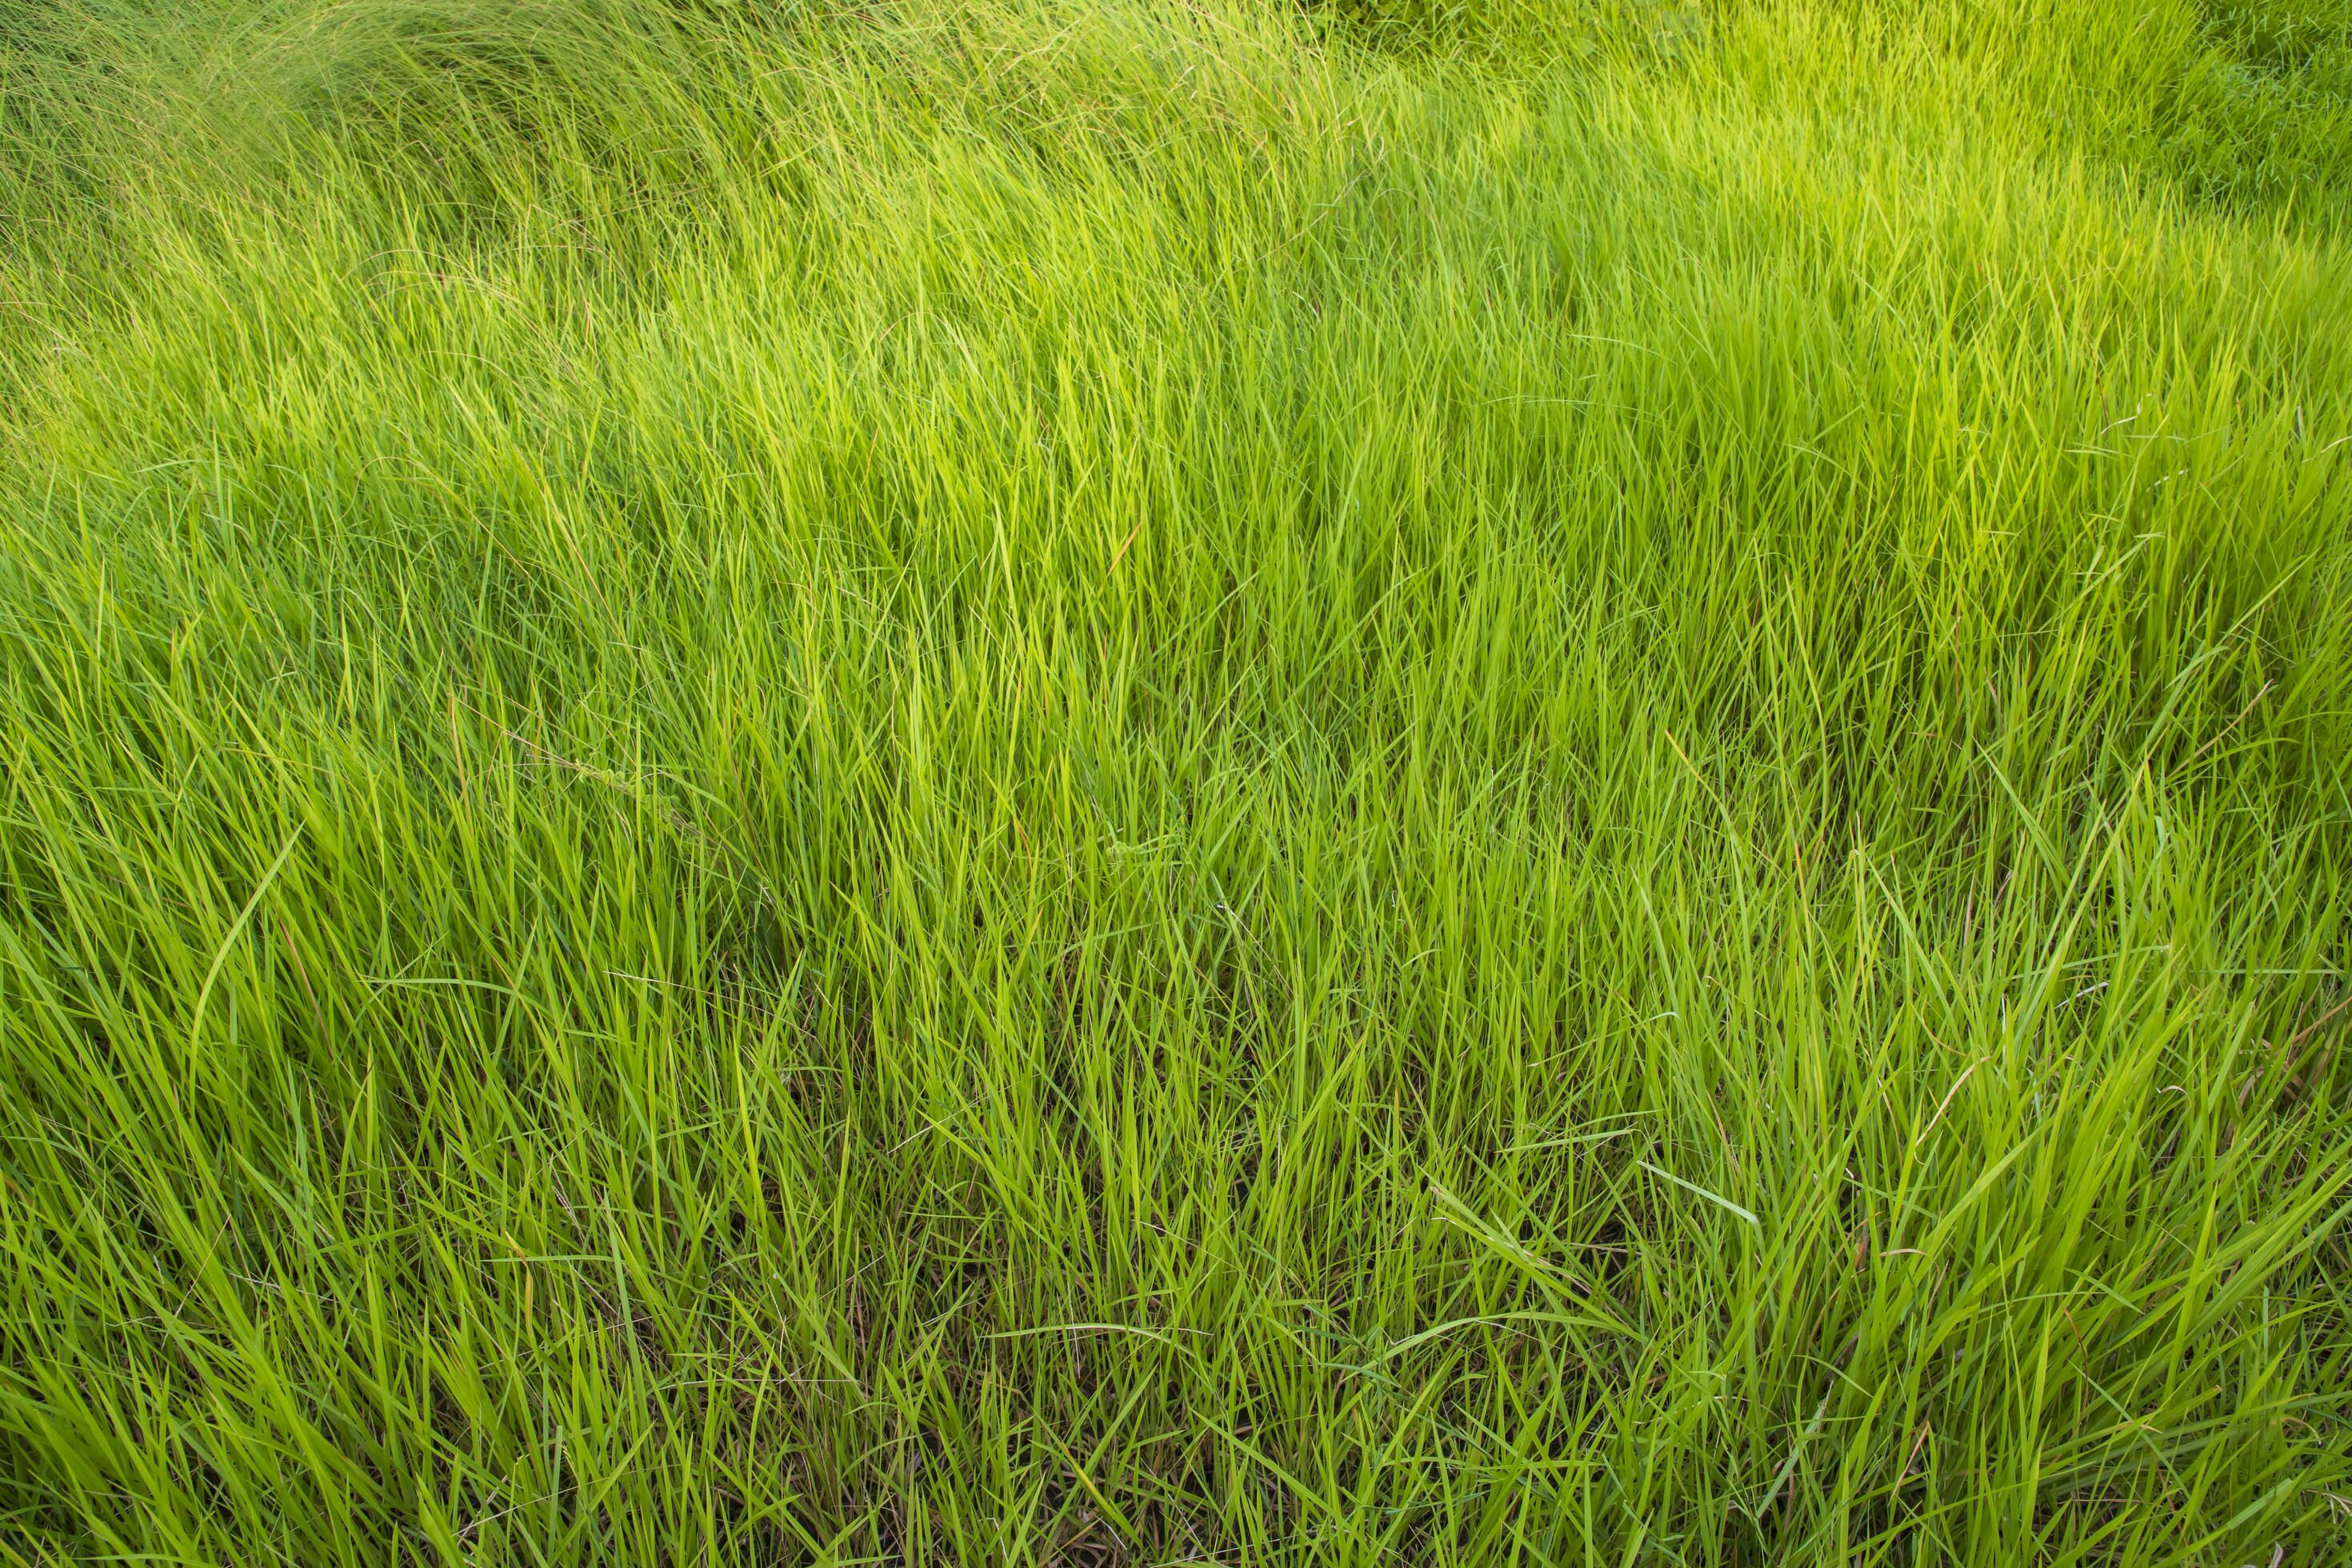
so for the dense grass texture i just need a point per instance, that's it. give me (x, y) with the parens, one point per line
(1081, 782)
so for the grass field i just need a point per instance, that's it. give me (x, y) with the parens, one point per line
(1090, 782)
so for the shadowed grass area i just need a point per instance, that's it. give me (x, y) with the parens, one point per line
(1074, 781)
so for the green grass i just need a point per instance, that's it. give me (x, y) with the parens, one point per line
(1092, 782)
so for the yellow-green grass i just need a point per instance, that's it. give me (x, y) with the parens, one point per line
(1086, 781)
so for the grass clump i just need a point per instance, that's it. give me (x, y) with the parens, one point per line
(1057, 781)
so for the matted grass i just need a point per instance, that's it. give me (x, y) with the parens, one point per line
(1084, 782)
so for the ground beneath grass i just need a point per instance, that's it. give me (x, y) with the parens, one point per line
(1078, 782)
